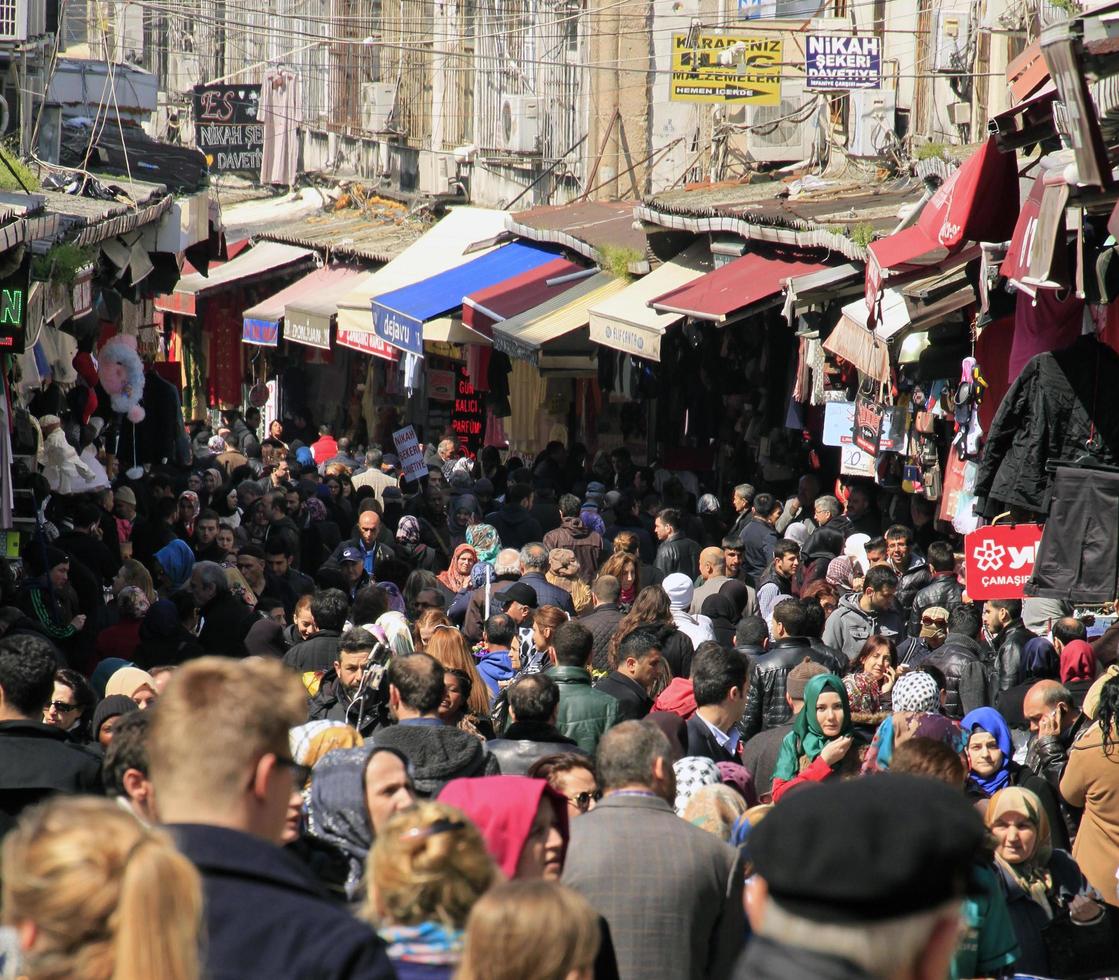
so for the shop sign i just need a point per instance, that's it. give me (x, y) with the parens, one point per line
(854, 461)
(226, 128)
(838, 64)
(868, 425)
(263, 332)
(311, 332)
(999, 560)
(629, 339)
(839, 423)
(13, 308)
(411, 453)
(468, 416)
(514, 348)
(441, 386)
(742, 69)
(367, 343)
(399, 330)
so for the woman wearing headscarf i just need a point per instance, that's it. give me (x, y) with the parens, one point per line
(164, 641)
(715, 809)
(904, 725)
(133, 683)
(461, 514)
(823, 742)
(456, 577)
(1078, 668)
(485, 541)
(1040, 662)
(991, 767)
(123, 637)
(693, 772)
(173, 564)
(714, 527)
(724, 618)
(189, 509)
(410, 548)
(823, 546)
(49, 599)
(338, 815)
(741, 596)
(872, 676)
(1041, 883)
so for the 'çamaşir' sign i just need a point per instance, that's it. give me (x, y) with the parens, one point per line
(999, 560)
(226, 127)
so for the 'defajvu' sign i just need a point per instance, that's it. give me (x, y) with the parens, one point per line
(999, 560)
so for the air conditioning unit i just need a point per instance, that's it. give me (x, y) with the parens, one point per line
(778, 133)
(870, 121)
(21, 20)
(952, 32)
(377, 101)
(520, 123)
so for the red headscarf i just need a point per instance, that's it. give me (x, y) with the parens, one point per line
(1078, 663)
(503, 808)
(451, 577)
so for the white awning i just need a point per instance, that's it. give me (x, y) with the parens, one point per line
(445, 246)
(627, 323)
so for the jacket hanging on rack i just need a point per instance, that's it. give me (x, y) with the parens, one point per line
(1063, 406)
(1078, 558)
(280, 113)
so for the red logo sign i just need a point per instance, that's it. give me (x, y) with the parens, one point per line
(999, 560)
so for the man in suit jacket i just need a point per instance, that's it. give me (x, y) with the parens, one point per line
(675, 908)
(219, 758)
(719, 685)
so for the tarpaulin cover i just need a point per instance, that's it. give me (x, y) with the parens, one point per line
(485, 307)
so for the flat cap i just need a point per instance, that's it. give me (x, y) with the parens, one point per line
(869, 849)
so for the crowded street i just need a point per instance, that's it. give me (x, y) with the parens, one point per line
(577, 490)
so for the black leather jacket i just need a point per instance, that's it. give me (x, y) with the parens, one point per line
(526, 741)
(1009, 647)
(678, 554)
(1047, 757)
(966, 677)
(765, 699)
(943, 591)
(912, 581)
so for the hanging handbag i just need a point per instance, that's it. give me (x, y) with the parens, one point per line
(1080, 950)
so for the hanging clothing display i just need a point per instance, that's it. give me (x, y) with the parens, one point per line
(281, 114)
(1078, 558)
(1064, 406)
(1050, 321)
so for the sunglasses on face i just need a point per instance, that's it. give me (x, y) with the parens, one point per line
(62, 706)
(582, 801)
(300, 773)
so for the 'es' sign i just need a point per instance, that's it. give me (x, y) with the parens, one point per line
(998, 561)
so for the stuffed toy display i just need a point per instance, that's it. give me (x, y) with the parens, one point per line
(122, 375)
(64, 469)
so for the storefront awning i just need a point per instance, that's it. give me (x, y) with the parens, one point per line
(450, 243)
(261, 323)
(525, 336)
(978, 203)
(451, 330)
(366, 343)
(733, 288)
(485, 307)
(308, 316)
(627, 323)
(399, 316)
(258, 262)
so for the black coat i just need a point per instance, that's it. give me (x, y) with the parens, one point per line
(634, 702)
(515, 526)
(1010, 655)
(702, 742)
(766, 706)
(267, 918)
(37, 761)
(317, 653)
(602, 621)
(523, 742)
(226, 623)
(944, 591)
(678, 554)
(967, 677)
(758, 540)
(1048, 414)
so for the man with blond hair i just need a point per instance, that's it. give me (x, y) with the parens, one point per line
(223, 776)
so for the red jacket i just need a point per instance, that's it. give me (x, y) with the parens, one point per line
(325, 448)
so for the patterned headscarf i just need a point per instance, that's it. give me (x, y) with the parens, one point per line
(397, 634)
(910, 724)
(840, 572)
(707, 504)
(692, 772)
(396, 600)
(408, 530)
(315, 509)
(312, 741)
(484, 539)
(715, 809)
(192, 498)
(916, 691)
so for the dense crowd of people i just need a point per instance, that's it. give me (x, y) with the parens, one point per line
(289, 714)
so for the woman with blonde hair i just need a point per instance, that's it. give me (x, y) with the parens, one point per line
(535, 929)
(132, 572)
(94, 895)
(427, 623)
(449, 647)
(427, 868)
(563, 573)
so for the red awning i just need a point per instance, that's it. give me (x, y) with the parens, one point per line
(481, 310)
(733, 287)
(978, 203)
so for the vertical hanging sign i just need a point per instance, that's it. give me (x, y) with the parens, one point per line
(468, 416)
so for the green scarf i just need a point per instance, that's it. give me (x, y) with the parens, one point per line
(807, 740)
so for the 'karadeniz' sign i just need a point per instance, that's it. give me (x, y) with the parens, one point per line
(836, 64)
(226, 127)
